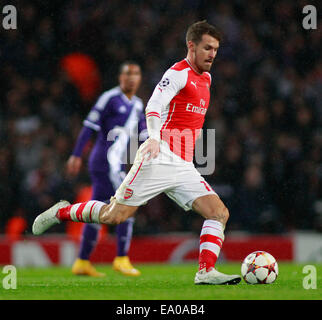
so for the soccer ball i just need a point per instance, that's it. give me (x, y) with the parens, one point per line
(259, 267)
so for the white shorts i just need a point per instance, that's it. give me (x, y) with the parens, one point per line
(179, 180)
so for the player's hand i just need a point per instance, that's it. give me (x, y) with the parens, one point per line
(73, 165)
(152, 147)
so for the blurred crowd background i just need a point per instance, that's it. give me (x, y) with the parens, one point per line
(266, 105)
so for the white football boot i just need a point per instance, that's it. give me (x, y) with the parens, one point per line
(215, 277)
(48, 218)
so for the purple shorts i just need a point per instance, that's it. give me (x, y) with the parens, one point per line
(103, 188)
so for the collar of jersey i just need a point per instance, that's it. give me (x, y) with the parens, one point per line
(125, 97)
(192, 68)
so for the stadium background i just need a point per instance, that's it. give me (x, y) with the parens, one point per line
(266, 105)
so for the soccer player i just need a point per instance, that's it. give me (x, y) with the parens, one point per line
(175, 116)
(116, 108)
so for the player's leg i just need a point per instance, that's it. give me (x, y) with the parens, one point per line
(121, 262)
(88, 240)
(211, 240)
(212, 233)
(82, 265)
(124, 231)
(136, 189)
(192, 192)
(102, 190)
(92, 211)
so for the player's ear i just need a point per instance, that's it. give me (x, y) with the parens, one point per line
(191, 45)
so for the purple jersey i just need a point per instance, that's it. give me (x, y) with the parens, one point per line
(115, 118)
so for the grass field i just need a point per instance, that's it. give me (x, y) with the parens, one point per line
(157, 282)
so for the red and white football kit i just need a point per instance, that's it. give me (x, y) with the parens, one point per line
(175, 115)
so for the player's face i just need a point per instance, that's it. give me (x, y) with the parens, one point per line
(130, 78)
(205, 52)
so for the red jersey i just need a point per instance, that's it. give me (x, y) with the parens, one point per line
(181, 101)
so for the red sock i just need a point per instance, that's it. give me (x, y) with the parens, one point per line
(81, 212)
(211, 239)
(207, 259)
(63, 214)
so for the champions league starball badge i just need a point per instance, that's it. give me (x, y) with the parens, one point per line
(163, 83)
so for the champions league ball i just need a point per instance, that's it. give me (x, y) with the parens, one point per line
(259, 267)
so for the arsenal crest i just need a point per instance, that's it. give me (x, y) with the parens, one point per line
(128, 193)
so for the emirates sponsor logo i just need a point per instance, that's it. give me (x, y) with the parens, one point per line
(196, 109)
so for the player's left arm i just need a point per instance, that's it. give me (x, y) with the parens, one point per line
(171, 83)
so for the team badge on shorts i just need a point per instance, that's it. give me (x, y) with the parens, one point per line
(128, 193)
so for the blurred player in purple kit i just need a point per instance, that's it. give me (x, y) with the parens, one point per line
(121, 110)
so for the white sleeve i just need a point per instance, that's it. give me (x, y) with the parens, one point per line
(169, 86)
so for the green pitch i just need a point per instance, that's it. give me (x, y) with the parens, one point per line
(157, 282)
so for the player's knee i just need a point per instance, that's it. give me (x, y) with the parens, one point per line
(219, 214)
(225, 215)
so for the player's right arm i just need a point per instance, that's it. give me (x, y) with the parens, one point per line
(169, 86)
(75, 161)
(91, 124)
(73, 165)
